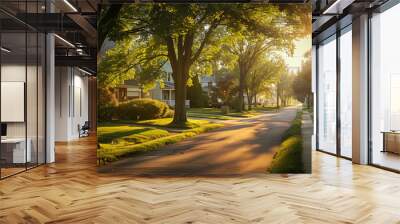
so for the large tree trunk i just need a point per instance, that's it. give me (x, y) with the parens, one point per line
(249, 102)
(255, 101)
(277, 96)
(180, 63)
(249, 98)
(180, 117)
(242, 78)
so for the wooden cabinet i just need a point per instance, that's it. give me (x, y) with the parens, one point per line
(391, 142)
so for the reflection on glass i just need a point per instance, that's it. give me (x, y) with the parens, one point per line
(346, 94)
(385, 86)
(31, 97)
(327, 96)
(41, 99)
(14, 150)
(22, 90)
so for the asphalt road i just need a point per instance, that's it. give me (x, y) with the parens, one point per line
(242, 147)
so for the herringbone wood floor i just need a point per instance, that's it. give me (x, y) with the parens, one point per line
(71, 191)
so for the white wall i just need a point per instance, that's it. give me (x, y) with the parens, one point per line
(33, 126)
(156, 93)
(12, 73)
(71, 102)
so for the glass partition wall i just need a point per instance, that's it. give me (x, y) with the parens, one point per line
(327, 95)
(345, 61)
(334, 83)
(385, 89)
(22, 76)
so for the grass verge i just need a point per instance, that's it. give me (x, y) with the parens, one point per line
(131, 134)
(166, 122)
(120, 141)
(216, 113)
(161, 123)
(288, 158)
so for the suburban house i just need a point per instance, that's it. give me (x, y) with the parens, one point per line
(164, 89)
(207, 83)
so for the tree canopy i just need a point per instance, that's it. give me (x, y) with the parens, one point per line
(302, 83)
(189, 36)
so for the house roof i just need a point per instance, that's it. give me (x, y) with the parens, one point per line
(131, 82)
(169, 85)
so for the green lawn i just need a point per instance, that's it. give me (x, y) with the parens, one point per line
(216, 113)
(129, 134)
(165, 122)
(119, 140)
(160, 122)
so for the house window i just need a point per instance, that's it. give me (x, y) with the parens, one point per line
(133, 94)
(169, 77)
(165, 94)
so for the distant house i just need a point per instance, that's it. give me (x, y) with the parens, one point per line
(207, 83)
(130, 90)
(163, 91)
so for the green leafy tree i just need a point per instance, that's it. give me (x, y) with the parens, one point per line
(226, 87)
(275, 30)
(196, 94)
(186, 35)
(265, 73)
(106, 21)
(284, 89)
(126, 61)
(302, 84)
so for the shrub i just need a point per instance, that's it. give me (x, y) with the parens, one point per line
(142, 109)
(106, 104)
(105, 112)
(106, 96)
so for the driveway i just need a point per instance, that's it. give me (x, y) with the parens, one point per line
(241, 147)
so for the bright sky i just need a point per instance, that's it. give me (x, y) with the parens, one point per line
(301, 47)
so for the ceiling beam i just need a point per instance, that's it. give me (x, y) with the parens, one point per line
(78, 61)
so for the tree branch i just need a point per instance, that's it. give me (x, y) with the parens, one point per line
(171, 52)
(212, 27)
(180, 47)
(151, 58)
(189, 38)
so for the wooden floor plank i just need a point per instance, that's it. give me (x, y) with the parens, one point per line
(71, 191)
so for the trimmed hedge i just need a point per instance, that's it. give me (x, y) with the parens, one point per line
(142, 109)
(106, 112)
(137, 109)
(106, 104)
